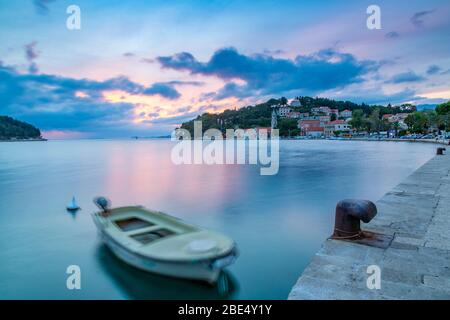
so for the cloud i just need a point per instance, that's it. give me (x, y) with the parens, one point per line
(163, 89)
(30, 51)
(265, 74)
(55, 103)
(409, 76)
(185, 83)
(375, 96)
(274, 52)
(51, 102)
(42, 6)
(392, 35)
(31, 54)
(147, 60)
(433, 69)
(167, 89)
(418, 18)
(128, 54)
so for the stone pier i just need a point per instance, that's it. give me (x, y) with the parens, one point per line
(415, 264)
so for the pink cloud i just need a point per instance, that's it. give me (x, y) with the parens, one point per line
(63, 134)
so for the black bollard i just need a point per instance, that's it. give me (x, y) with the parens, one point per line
(440, 151)
(349, 213)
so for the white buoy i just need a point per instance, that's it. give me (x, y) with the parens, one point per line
(73, 206)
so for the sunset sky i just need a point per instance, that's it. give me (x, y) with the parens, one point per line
(144, 67)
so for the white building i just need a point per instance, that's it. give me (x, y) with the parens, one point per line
(295, 103)
(321, 110)
(284, 110)
(337, 125)
(345, 114)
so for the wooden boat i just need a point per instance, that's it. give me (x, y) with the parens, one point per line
(159, 243)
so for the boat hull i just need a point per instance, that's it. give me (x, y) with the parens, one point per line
(202, 270)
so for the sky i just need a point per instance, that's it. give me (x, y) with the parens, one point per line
(144, 67)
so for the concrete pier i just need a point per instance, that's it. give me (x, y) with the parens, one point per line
(416, 263)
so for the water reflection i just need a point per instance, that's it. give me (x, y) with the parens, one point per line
(278, 222)
(73, 213)
(138, 284)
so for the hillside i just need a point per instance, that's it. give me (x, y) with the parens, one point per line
(11, 129)
(260, 114)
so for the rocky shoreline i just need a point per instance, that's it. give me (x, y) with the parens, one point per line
(22, 140)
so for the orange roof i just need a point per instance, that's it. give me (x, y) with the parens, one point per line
(309, 121)
(338, 122)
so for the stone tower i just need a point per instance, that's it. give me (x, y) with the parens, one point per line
(274, 122)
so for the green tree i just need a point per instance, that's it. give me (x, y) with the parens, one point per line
(443, 108)
(288, 127)
(417, 122)
(433, 119)
(14, 129)
(443, 112)
(357, 121)
(376, 124)
(333, 117)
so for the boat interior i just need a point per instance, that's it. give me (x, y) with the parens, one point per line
(145, 228)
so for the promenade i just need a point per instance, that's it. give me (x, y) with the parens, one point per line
(416, 263)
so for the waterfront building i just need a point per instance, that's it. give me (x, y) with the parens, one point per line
(397, 118)
(312, 128)
(337, 125)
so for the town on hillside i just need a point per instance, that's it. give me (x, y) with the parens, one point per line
(323, 121)
(314, 118)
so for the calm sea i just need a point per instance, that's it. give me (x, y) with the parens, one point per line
(278, 221)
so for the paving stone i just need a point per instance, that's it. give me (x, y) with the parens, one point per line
(440, 283)
(416, 265)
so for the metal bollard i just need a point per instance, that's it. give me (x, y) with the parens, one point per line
(349, 213)
(440, 151)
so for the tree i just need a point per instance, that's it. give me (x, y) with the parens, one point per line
(417, 122)
(433, 119)
(288, 127)
(376, 124)
(14, 129)
(443, 111)
(283, 100)
(357, 121)
(333, 117)
(443, 108)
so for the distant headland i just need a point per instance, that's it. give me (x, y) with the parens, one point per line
(15, 130)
